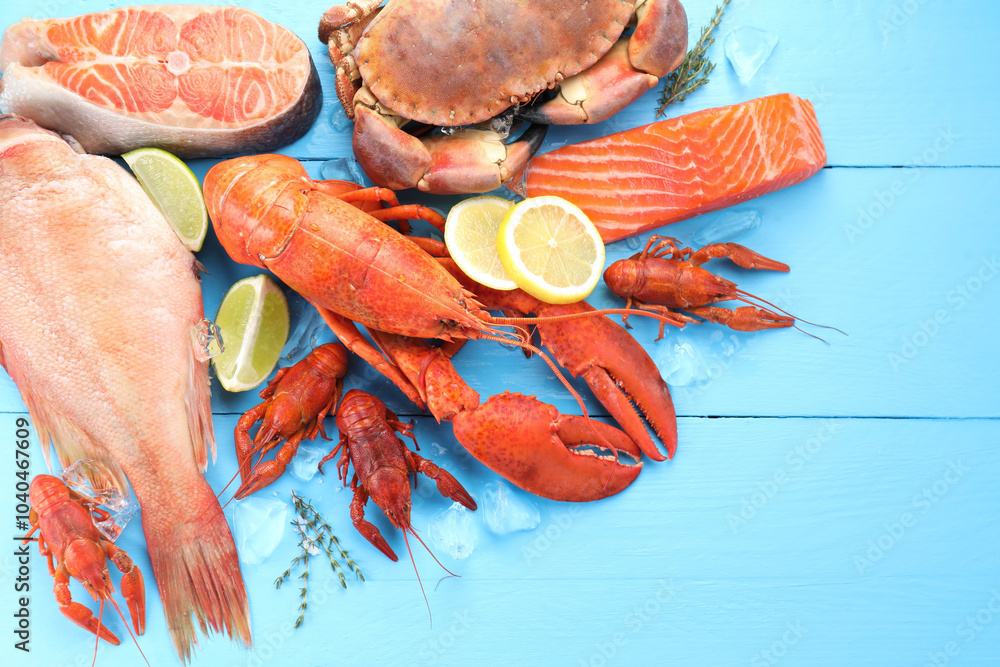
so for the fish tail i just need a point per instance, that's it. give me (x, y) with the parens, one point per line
(197, 570)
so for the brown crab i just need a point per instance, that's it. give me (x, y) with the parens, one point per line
(458, 63)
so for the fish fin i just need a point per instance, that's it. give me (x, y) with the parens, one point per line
(196, 568)
(70, 441)
(198, 404)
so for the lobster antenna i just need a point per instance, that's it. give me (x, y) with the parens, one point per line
(785, 312)
(512, 321)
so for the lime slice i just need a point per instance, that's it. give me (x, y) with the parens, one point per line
(253, 320)
(470, 233)
(175, 190)
(551, 249)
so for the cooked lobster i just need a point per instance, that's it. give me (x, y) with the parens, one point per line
(316, 237)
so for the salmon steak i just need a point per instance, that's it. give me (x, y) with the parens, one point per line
(195, 80)
(99, 300)
(672, 170)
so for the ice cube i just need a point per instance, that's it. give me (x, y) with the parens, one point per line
(680, 362)
(727, 227)
(747, 49)
(93, 481)
(339, 119)
(208, 340)
(344, 169)
(259, 524)
(454, 530)
(308, 326)
(305, 461)
(505, 511)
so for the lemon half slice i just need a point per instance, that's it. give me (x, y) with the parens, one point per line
(253, 320)
(175, 190)
(551, 249)
(470, 232)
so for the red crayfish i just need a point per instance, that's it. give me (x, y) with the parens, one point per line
(382, 469)
(665, 277)
(383, 465)
(75, 548)
(296, 401)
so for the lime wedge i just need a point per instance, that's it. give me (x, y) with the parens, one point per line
(253, 320)
(175, 190)
(551, 249)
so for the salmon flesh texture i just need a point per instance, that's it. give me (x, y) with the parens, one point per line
(672, 170)
(98, 302)
(195, 80)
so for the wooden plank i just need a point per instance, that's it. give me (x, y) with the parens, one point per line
(871, 540)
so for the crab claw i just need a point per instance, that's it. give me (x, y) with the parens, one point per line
(549, 454)
(466, 162)
(617, 369)
(630, 68)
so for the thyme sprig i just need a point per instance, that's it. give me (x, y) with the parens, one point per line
(309, 520)
(693, 71)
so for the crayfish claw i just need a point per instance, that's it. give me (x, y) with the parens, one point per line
(132, 586)
(447, 485)
(367, 529)
(84, 617)
(546, 453)
(744, 318)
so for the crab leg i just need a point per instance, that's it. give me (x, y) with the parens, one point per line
(630, 68)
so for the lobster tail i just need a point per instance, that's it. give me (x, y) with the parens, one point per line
(196, 569)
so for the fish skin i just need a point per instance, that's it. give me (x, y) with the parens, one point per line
(98, 299)
(37, 57)
(672, 170)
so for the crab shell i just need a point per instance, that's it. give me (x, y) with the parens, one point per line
(455, 62)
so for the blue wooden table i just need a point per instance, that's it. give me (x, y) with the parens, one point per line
(828, 505)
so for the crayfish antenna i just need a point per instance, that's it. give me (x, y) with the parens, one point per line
(441, 565)
(748, 295)
(415, 571)
(97, 642)
(127, 627)
(231, 480)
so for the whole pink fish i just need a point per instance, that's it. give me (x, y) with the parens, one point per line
(98, 300)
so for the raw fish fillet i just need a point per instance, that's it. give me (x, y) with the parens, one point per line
(196, 80)
(98, 302)
(671, 170)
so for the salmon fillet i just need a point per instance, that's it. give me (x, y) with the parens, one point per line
(671, 170)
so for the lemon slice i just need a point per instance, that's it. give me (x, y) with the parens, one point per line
(175, 190)
(551, 249)
(470, 232)
(253, 320)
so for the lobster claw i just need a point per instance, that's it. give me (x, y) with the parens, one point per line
(542, 451)
(526, 441)
(617, 369)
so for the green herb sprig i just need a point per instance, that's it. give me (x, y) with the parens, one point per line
(308, 520)
(693, 71)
